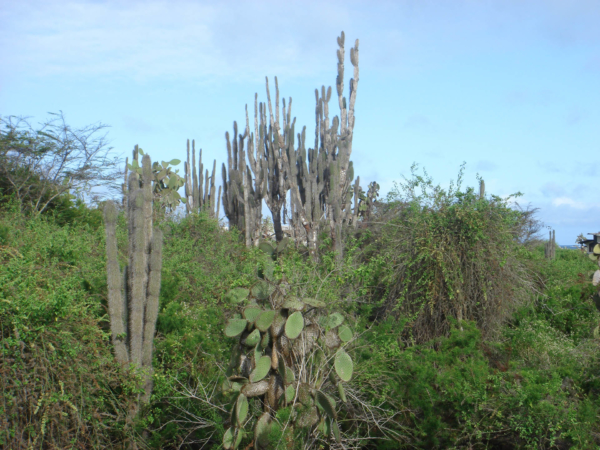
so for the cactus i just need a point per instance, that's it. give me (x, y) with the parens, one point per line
(550, 246)
(200, 197)
(288, 354)
(133, 294)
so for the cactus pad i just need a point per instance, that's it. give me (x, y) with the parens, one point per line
(255, 389)
(251, 313)
(345, 333)
(326, 403)
(263, 365)
(252, 339)
(332, 320)
(294, 325)
(264, 321)
(314, 302)
(237, 295)
(241, 410)
(293, 303)
(235, 327)
(343, 365)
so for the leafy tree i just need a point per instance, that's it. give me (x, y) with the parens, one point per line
(38, 166)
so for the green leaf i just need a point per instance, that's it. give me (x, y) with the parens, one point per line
(235, 327)
(174, 162)
(343, 365)
(140, 151)
(261, 370)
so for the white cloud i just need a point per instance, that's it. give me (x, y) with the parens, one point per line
(566, 201)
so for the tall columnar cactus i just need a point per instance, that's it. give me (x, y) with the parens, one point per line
(481, 189)
(550, 247)
(289, 360)
(233, 180)
(200, 197)
(133, 293)
(276, 141)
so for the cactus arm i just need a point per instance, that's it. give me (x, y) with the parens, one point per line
(116, 302)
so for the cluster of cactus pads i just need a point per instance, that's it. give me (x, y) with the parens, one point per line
(289, 355)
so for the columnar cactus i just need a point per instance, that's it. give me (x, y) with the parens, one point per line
(233, 180)
(289, 361)
(200, 197)
(550, 247)
(133, 293)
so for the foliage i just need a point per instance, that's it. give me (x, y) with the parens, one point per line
(443, 254)
(39, 165)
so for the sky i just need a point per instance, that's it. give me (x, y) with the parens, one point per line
(511, 88)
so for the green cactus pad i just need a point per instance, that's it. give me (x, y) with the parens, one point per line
(229, 438)
(332, 320)
(343, 365)
(267, 270)
(290, 393)
(261, 430)
(235, 327)
(314, 302)
(293, 303)
(336, 431)
(283, 244)
(345, 333)
(289, 375)
(263, 365)
(267, 248)
(326, 403)
(264, 321)
(264, 342)
(251, 313)
(241, 410)
(258, 351)
(237, 295)
(294, 325)
(342, 392)
(252, 339)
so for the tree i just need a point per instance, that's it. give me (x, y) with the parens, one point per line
(39, 165)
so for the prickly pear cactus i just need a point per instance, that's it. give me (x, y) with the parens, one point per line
(288, 366)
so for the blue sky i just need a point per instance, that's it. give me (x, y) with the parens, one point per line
(512, 88)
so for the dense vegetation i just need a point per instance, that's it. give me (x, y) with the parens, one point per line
(466, 335)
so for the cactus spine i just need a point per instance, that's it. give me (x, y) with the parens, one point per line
(133, 294)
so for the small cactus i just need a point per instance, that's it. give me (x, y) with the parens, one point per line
(270, 365)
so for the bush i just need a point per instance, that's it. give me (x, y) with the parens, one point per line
(442, 255)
